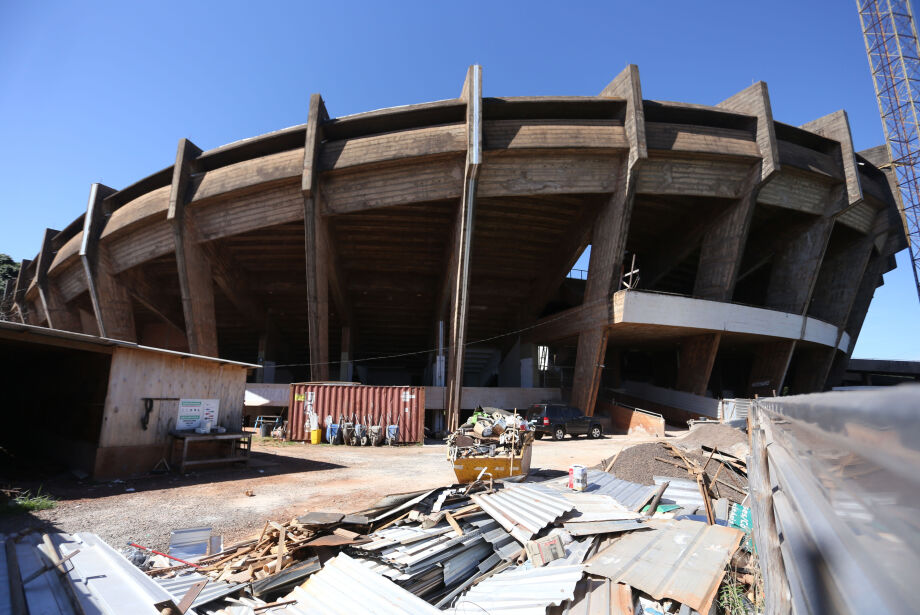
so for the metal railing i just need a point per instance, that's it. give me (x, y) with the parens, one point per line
(835, 488)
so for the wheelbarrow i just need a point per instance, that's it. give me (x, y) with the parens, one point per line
(360, 437)
(348, 430)
(375, 435)
(333, 436)
(392, 434)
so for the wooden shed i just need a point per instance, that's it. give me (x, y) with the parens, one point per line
(81, 400)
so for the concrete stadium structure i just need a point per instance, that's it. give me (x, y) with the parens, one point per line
(431, 244)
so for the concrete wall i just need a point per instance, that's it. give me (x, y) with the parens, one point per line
(124, 446)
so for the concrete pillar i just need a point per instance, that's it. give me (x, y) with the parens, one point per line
(796, 265)
(58, 313)
(768, 373)
(316, 253)
(839, 280)
(196, 285)
(697, 355)
(609, 240)
(346, 366)
(723, 245)
(463, 240)
(112, 305)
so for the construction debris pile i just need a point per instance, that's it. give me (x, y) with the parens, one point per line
(562, 545)
(489, 432)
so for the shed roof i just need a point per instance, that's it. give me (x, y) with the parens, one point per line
(92, 343)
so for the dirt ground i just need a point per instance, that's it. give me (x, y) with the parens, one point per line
(286, 481)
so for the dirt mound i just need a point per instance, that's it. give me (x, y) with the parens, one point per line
(639, 465)
(726, 439)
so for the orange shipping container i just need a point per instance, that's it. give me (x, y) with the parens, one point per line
(376, 402)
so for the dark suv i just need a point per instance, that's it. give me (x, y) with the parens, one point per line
(557, 420)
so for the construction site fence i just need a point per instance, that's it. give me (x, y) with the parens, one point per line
(835, 490)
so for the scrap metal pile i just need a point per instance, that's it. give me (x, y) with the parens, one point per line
(489, 432)
(486, 547)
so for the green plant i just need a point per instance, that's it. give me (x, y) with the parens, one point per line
(26, 502)
(731, 599)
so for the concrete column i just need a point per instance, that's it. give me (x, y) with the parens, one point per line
(112, 305)
(796, 265)
(316, 252)
(463, 238)
(59, 314)
(609, 240)
(346, 367)
(812, 368)
(697, 355)
(195, 279)
(768, 373)
(838, 281)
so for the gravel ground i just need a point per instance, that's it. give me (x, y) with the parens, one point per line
(286, 481)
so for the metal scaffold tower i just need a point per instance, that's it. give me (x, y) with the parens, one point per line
(894, 58)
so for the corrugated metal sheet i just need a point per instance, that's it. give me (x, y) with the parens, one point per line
(681, 491)
(523, 510)
(631, 495)
(520, 590)
(375, 402)
(683, 560)
(178, 586)
(347, 587)
(596, 507)
(597, 596)
(101, 578)
(603, 527)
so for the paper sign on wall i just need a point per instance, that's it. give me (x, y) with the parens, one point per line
(192, 412)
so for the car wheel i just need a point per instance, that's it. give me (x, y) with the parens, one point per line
(595, 432)
(558, 433)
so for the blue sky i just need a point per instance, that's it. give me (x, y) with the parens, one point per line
(95, 91)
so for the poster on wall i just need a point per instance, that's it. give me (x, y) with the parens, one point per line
(193, 412)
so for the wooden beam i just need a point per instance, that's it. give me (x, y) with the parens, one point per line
(195, 277)
(315, 243)
(111, 301)
(57, 312)
(472, 94)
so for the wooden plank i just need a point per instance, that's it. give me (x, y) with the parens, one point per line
(195, 276)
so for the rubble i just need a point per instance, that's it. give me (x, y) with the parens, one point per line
(492, 545)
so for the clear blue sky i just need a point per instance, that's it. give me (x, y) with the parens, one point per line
(93, 91)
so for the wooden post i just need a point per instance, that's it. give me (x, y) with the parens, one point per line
(111, 301)
(463, 236)
(195, 280)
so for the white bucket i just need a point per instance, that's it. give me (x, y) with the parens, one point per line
(578, 477)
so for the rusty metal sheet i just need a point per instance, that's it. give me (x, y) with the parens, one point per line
(682, 560)
(375, 402)
(597, 596)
